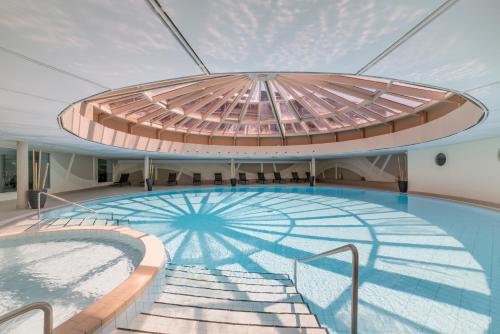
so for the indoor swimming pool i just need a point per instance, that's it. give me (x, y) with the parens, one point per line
(426, 265)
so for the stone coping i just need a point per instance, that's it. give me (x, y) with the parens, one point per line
(108, 307)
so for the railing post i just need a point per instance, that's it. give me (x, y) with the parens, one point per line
(354, 278)
(355, 284)
(295, 272)
(44, 306)
(47, 320)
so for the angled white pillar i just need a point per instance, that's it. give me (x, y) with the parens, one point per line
(22, 175)
(146, 171)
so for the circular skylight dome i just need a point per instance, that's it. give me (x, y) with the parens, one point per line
(266, 109)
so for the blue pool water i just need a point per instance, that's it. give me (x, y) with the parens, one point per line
(426, 265)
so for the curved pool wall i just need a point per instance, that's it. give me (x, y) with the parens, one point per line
(94, 278)
(426, 265)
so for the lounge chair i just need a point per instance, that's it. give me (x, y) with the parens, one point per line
(308, 177)
(277, 178)
(295, 177)
(261, 178)
(172, 179)
(196, 179)
(218, 178)
(123, 179)
(243, 178)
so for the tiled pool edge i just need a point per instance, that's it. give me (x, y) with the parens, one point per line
(134, 295)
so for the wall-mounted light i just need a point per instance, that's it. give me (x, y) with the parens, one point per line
(440, 159)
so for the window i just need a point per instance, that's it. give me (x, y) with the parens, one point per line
(8, 173)
(104, 170)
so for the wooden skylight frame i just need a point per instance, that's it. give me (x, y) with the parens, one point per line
(263, 105)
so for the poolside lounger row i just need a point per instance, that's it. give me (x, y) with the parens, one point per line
(261, 178)
(123, 179)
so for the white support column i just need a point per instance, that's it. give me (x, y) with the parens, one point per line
(22, 175)
(233, 169)
(233, 173)
(313, 169)
(94, 169)
(114, 172)
(146, 171)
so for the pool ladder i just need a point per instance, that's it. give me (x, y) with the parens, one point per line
(354, 277)
(43, 306)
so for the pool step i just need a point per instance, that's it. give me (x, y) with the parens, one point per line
(234, 295)
(236, 305)
(201, 313)
(218, 278)
(225, 272)
(230, 286)
(51, 223)
(150, 324)
(202, 300)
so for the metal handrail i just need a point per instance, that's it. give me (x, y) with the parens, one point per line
(44, 306)
(66, 201)
(355, 277)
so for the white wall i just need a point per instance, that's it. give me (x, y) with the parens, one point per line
(472, 170)
(381, 168)
(72, 173)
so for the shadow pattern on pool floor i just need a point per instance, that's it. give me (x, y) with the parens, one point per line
(426, 265)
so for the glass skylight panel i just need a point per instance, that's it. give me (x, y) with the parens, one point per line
(263, 96)
(273, 128)
(333, 124)
(321, 125)
(162, 90)
(288, 127)
(356, 118)
(366, 88)
(348, 97)
(265, 111)
(401, 100)
(334, 103)
(393, 110)
(369, 115)
(378, 109)
(251, 129)
(402, 84)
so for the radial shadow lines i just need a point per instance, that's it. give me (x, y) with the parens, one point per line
(408, 261)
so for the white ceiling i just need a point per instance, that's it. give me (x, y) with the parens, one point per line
(55, 52)
(293, 35)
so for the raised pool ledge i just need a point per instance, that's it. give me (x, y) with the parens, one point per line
(134, 295)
